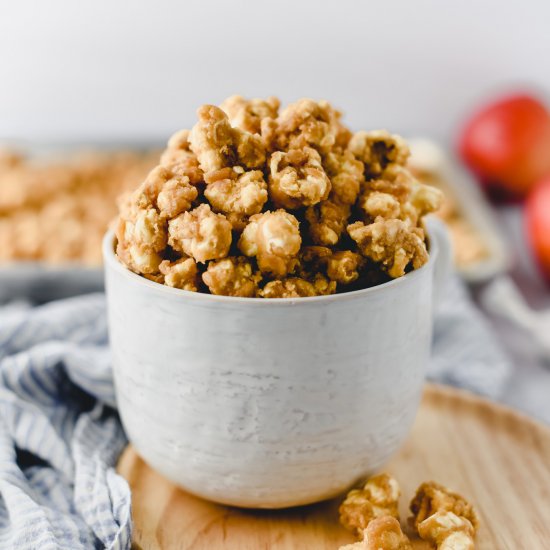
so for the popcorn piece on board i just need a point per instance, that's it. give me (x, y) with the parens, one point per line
(383, 533)
(447, 531)
(378, 497)
(431, 497)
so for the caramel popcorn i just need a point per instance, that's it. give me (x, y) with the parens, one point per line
(379, 497)
(171, 193)
(274, 239)
(248, 114)
(58, 210)
(391, 243)
(276, 204)
(180, 274)
(233, 276)
(344, 266)
(201, 234)
(296, 287)
(218, 145)
(383, 533)
(447, 531)
(297, 178)
(308, 123)
(346, 176)
(378, 149)
(180, 159)
(236, 193)
(141, 238)
(327, 222)
(431, 498)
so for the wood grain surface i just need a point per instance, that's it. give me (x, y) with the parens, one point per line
(494, 456)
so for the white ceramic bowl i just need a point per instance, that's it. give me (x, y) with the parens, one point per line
(268, 403)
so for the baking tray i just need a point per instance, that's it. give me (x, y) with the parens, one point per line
(472, 205)
(39, 281)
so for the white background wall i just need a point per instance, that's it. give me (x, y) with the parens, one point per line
(74, 69)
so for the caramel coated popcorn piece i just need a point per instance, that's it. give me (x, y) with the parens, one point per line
(274, 239)
(378, 150)
(399, 196)
(376, 203)
(391, 243)
(344, 266)
(247, 114)
(447, 531)
(180, 274)
(142, 226)
(383, 533)
(250, 149)
(308, 123)
(233, 276)
(346, 175)
(327, 221)
(297, 287)
(179, 157)
(218, 145)
(211, 139)
(236, 193)
(201, 234)
(176, 196)
(378, 497)
(431, 497)
(171, 193)
(297, 178)
(425, 198)
(141, 238)
(341, 266)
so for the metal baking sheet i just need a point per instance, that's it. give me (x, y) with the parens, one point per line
(474, 207)
(40, 281)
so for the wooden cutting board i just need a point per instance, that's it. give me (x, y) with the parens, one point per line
(496, 457)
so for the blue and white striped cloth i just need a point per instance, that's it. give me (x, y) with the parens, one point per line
(60, 435)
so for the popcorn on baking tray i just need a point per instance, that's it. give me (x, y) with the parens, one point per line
(257, 202)
(57, 210)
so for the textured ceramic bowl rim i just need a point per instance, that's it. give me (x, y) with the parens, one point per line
(112, 261)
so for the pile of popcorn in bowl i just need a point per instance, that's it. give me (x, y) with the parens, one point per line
(258, 201)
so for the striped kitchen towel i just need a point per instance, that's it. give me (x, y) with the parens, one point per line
(60, 435)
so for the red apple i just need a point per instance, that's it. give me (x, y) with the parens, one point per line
(537, 220)
(507, 144)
